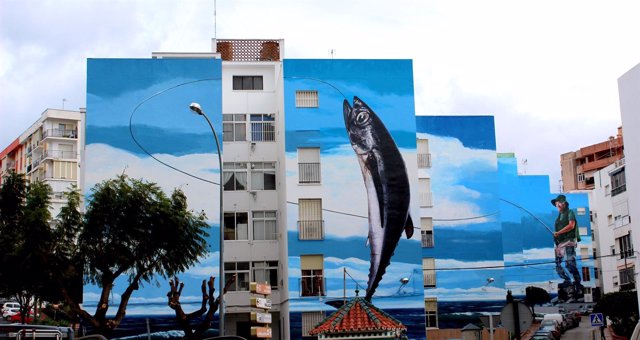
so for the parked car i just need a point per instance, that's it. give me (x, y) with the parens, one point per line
(7, 305)
(561, 320)
(571, 320)
(18, 317)
(551, 326)
(543, 335)
(6, 313)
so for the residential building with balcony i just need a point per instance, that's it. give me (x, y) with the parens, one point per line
(613, 229)
(578, 167)
(50, 150)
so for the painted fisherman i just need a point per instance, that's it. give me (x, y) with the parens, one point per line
(566, 237)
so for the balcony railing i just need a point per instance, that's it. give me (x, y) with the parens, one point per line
(619, 190)
(429, 277)
(427, 239)
(311, 230)
(312, 286)
(309, 173)
(59, 154)
(60, 133)
(426, 199)
(424, 160)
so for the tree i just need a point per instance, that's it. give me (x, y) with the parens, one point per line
(130, 229)
(535, 296)
(209, 306)
(26, 240)
(622, 309)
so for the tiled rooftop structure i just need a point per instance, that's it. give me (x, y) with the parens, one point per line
(360, 319)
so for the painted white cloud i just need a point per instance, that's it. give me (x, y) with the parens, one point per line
(106, 162)
(472, 294)
(545, 254)
(451, 163)
(345, 192)
(451, 263)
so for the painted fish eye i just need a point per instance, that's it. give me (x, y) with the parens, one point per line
(362, 117)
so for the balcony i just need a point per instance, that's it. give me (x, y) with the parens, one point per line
(311, 230)
(309, 173)
(426, 200)
(59, 154)
(60, 133)
(429, 279)
(427, 239)
(424, 160)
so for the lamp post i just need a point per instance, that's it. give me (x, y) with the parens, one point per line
(195, 107)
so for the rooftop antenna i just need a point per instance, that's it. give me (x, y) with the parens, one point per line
(524, 164)
(332, 52)
(63, 100)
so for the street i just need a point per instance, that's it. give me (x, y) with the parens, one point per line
(583, 332)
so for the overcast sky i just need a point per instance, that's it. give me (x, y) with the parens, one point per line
(547, 70)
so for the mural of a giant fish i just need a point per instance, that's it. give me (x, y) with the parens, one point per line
(386, 182)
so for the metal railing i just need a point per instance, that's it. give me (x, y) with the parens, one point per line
(429, 277)
(424, 160)
(60, 133)
(426, 199)
(309, 173)
(311, 230)
(427, 239)
(58, 154)
(314, 285)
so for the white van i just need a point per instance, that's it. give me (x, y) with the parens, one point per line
(557, 317)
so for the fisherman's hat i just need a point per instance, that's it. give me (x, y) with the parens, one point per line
(560, 198)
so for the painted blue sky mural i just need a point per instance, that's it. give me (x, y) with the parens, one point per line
(487, 216)
(149, 99)
(386, 86)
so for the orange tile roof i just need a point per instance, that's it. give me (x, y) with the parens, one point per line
(358, 315)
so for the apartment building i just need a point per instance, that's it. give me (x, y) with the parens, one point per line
(628, 87)
(578, 167)
(50, 150)
(609, 202)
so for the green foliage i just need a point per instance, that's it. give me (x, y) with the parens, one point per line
(130, 228)
(536, 296)
(622, 309)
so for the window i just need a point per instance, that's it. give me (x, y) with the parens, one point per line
(312, 279)
(266, 272)
(425, 192)
(627, 279)
(431, 312)
(263, 176)
(429, 272)
(310, 320)
(625, 245)
(65, 170)
(310, 223)
(618, 182)
(586, 276)
(581, 211)
(583, 231)
(426, 225)
(309, 165)
(607, 190)
(247, 82)
(306, 98)
(236, 226)
(595, 273)
(234, 176)
(424, 157)
(241, 269)
(581, 177)
(234, 127)
(262, 127)
(584, 253)
(264, 225)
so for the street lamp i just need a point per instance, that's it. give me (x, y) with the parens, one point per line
(195, 107)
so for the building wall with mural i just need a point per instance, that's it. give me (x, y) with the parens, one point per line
(352, 189)
(486, 228)
(138, 117)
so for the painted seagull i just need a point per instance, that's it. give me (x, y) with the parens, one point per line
(387, 184)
